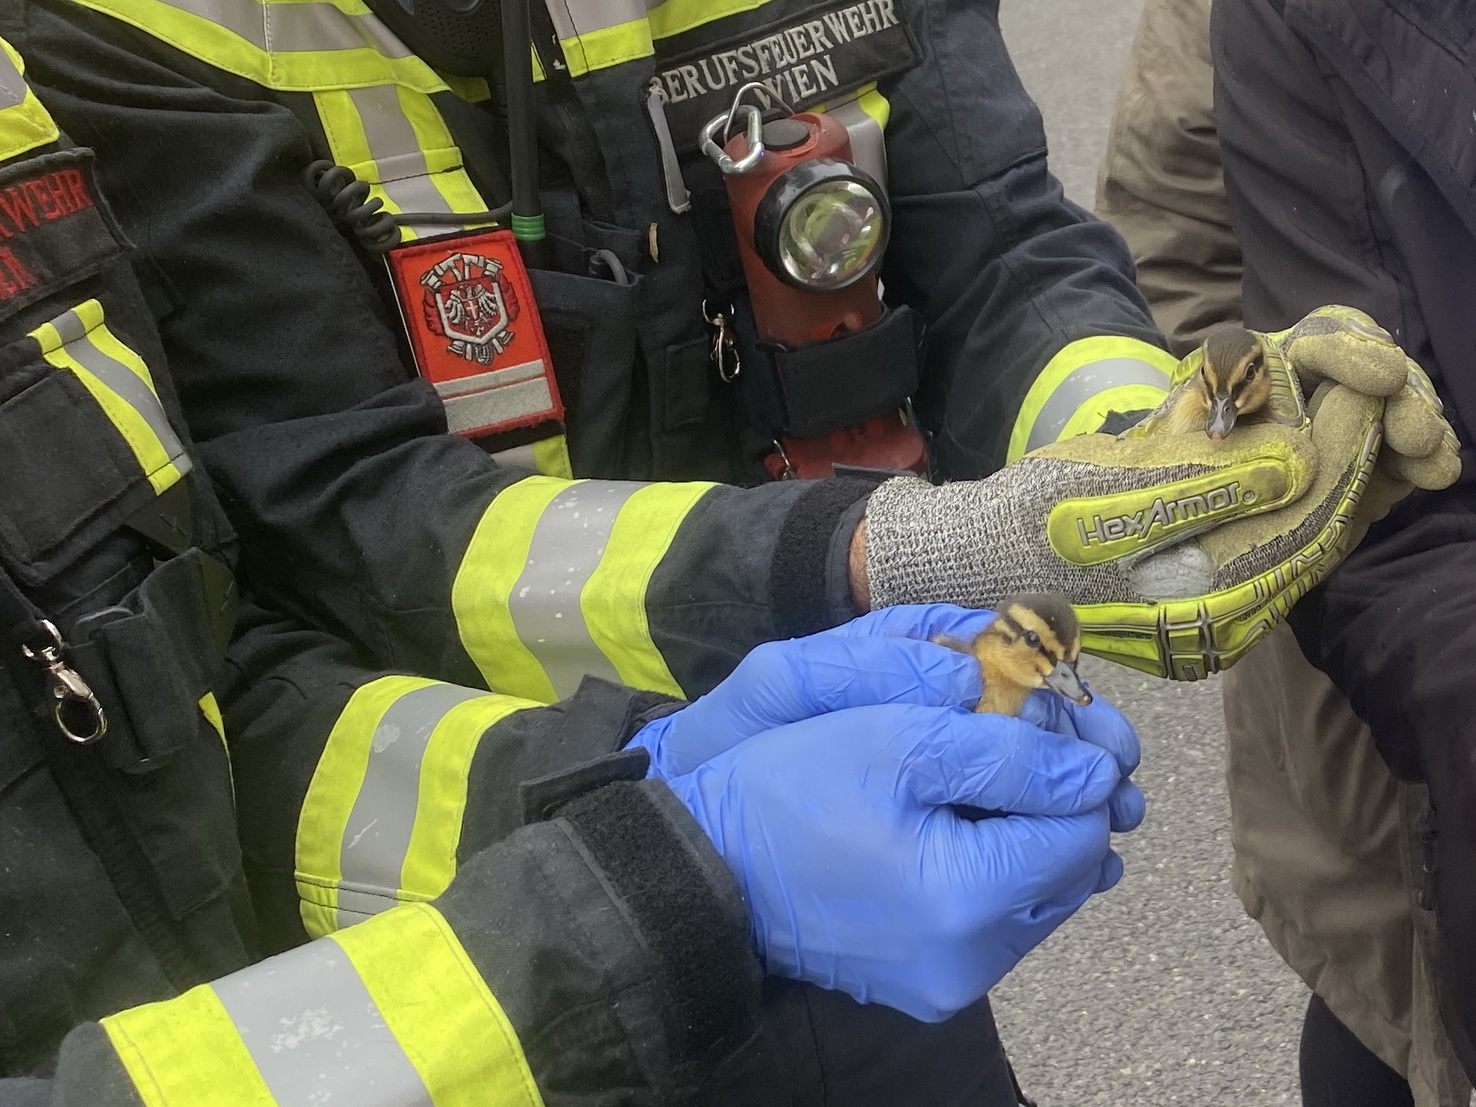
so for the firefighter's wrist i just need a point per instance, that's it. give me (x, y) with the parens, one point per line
(856, 570)
(679, 954)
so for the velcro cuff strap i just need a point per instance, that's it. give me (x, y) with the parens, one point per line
(687, 907)
(849, 379)
(544, 796)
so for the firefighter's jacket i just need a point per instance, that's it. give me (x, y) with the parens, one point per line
(601, 955)
(181, 304)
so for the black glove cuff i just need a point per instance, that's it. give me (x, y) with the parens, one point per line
(804, 593)
(686, 905)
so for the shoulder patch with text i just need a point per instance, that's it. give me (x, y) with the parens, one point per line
(805, 58)
(55, 228)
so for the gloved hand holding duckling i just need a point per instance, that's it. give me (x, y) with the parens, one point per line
(1034, 643)
(1183, 540)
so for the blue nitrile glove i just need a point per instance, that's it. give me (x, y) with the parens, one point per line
(860, 876)
(784, 682)
(1099, 722)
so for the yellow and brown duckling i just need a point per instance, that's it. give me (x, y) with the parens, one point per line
(1034, 644)
(1232, 383)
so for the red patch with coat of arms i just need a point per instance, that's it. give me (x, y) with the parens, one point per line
(474, 331)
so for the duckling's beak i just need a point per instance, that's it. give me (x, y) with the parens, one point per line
(1222, 418)
(1063, 679)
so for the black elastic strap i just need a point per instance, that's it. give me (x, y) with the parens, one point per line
(847, 380)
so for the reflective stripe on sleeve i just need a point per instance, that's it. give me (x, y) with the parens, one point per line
(79, 341)
(553, 584)
(382, 818)
(390, 1014)
(1083, 383)
(24, 123)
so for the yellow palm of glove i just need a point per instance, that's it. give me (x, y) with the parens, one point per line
(1365, 391)
(1208, 599)
(1179, 552)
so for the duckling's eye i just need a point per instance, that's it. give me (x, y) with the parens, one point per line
(1251, 370)
(1032, 639)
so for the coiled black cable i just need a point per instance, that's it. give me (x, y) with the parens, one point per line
(346, 199)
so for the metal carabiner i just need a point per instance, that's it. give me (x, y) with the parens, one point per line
(754, 129)
(724, 345)
(67, 688)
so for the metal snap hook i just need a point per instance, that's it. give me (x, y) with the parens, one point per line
(66, 686)
(753, 129)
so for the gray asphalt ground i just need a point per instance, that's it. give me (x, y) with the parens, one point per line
(1160, 992)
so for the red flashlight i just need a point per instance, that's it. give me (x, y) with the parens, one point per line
(812, 230)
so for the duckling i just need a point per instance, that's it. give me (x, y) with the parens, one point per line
(1232, 383)
(1033, 644)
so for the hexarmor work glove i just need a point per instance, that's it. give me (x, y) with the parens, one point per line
(1179, 553)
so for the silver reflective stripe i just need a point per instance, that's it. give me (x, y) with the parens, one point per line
(493, 406)
(497, 378)
(355, 905)
(122, 380)
(521, 457)
(868, 144)
(395, 149)
(1081, 385)
(566, 549)
(377, 835)
(316, 1034)
(296, 27)
(572, 18)
(12, 84)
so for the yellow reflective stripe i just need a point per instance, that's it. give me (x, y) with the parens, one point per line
(430, 858)
(186, 1051)
(874, 104)
(865, 114)
(1127, 397)
(440, 1010)
(413, 164)
(331, 794)
(382, 818)
(541, 544)
(188, 26)
(24, 123)
(211, 710)
(1072, 380)
(443, 158)
(614, 600)
(345, 130)
(349, 145)
(551, 456)
(675, 17)
(79, 342)
(484, 582)
(608, 46)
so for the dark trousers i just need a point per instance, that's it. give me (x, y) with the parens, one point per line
(823, 1049)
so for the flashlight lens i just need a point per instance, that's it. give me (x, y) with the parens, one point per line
(832, 235)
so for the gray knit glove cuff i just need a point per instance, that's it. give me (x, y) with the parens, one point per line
(975, 542)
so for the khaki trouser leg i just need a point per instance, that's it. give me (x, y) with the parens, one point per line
(1328, 860)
